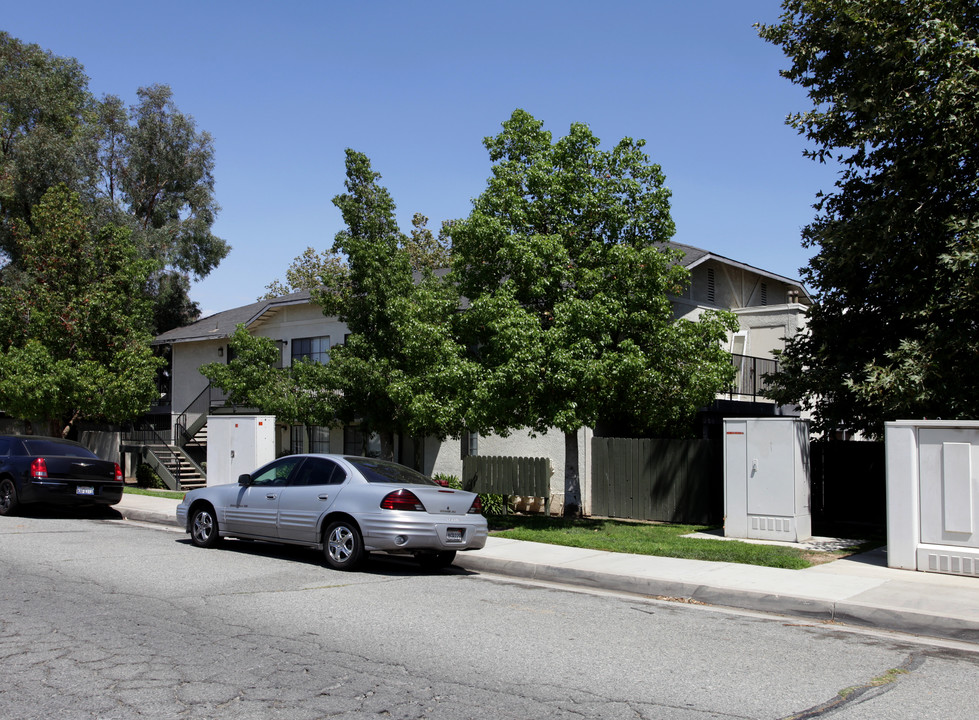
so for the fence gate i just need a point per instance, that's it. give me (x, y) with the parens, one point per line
(679, 481)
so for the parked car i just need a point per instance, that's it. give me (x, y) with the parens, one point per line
(343, 505)
(35, 469)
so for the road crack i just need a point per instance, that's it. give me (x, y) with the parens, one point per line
(849, 695)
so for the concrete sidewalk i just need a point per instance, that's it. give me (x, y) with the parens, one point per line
(860, 590)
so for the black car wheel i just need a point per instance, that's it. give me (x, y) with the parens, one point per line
(204, 528)
(435, 560)
(8, 497)
(343, 546)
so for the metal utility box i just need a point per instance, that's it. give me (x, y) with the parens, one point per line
(238, 444)
(766, 479)
(933, 495)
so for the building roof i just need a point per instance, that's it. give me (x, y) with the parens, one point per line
(222, 325)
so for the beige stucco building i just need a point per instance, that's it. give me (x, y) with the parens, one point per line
(769, 308)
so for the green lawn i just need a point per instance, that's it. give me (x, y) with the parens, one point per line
(155, 493)
(652, 539)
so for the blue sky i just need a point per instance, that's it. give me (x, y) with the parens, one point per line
(285, 87)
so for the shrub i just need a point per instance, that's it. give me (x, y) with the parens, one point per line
(146, 477)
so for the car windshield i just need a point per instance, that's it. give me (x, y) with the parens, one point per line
(55, 448)
(380, 471)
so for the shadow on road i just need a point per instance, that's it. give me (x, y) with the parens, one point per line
(380, 564)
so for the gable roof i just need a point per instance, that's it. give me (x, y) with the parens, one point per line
(222, 325)
(695, 256)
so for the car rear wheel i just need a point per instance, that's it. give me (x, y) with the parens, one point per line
(436, 560)
(8, 497)
(343, 546)
(204, 528)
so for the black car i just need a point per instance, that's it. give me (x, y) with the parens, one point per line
(37, 469)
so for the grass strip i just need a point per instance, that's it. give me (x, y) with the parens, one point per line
(643, 539)
(171, 494)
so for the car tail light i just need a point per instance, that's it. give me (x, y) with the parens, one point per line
(39, 468)
(118, 473)
(402, 500)
(477, 507)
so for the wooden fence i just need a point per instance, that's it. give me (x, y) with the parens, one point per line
(677, 481)
(529, 477)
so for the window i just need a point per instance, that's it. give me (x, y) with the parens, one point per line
(470, 444)
(319, 471)
(276, 473)
(318, 443)
(313, 349)
(379, 471)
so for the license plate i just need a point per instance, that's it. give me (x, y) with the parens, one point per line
(84, 490)
(454, 534)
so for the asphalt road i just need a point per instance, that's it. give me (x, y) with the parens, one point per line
(105, 619)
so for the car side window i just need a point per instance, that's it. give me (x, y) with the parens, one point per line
(4, 447)
(275, 473)
(319, 471)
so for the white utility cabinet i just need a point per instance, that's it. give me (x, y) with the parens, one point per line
(238, 444)
(933, 495)
(766, 479)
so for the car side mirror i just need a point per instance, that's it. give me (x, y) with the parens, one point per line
(245, 479)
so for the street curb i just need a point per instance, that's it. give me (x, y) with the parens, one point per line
(147, 516)
(850, 613)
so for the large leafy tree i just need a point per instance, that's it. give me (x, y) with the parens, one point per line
(400, 368)
(147, 168)
(563, 261)
(73, 321)
(894, 86)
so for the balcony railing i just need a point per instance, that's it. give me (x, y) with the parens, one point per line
(750, 378)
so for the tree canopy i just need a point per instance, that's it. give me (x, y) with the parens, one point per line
(147, 168)
(399, 369)
(73, 321)
(894, 86)
(564, 263)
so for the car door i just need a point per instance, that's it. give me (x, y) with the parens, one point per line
(254, 510)
(312, 489)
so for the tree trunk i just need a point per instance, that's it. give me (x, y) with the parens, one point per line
(387, 445)
(572, 482)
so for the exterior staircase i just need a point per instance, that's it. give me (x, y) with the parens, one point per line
(181, 468)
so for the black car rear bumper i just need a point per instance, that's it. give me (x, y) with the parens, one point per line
(66, 492)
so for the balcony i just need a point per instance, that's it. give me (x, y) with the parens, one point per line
(749, 381)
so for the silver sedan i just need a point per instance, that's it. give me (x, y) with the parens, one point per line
(346, 506)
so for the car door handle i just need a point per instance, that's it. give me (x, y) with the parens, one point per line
(271, 496)
(324, 496)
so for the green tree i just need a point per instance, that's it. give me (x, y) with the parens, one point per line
(73, 319)
(895, 101)
(301, 394)
(397, 366)
(425, 250)
(323, 271)
(147, 168)
(569, 283)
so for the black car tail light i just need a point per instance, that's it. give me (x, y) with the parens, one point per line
(477, 507)
(402, 500)
(118, 474)
(39, 468)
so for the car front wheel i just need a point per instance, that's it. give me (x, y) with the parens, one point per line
(8, 497)
(204, 528)
(343, 546)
